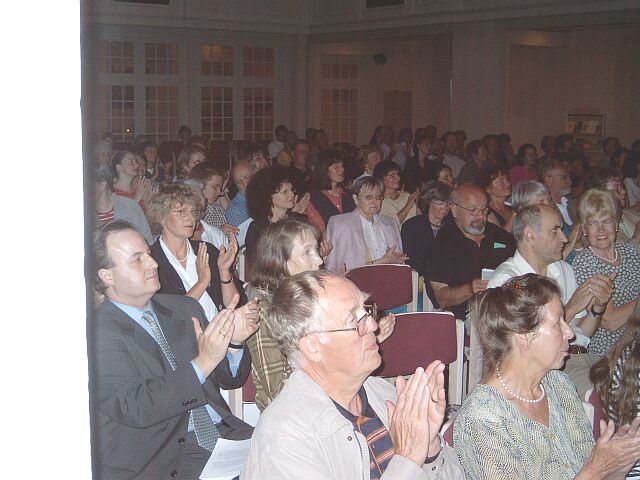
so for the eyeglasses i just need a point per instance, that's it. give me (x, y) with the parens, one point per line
(368, 198)
(564, 176)
(606, 224)
(476, 210)
(362, 324)
(184, 213)
(439, 203)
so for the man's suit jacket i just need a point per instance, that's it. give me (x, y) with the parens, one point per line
(347, 237)
(140, 405)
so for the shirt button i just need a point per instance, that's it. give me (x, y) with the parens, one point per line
(566, 465)
(552, 435)
(174, 473)
(349, 438)
(181, 440)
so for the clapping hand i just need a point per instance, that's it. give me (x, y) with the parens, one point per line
(246, 321)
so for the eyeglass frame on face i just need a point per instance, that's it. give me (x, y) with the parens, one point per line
(185, 213)
(370, 196)
(371, 311)
(565, 176)
(474, 211)
(440, 203)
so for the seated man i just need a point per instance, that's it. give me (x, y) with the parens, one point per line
(462, 249)
(538, 231)
(237, 211)
(363, 237)
(331, 420)
(157, 368)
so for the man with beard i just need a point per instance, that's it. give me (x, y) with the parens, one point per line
(538, 231)
(462, 249)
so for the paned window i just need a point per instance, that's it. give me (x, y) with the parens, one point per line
(161, 112)
(340, 114)
(257, 62)
(216, 105)
(339, 71)
(115, 57)
(258, 113)
(161, 58)
(115, 111)
(216, 60)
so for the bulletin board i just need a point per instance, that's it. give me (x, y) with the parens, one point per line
(587, 128)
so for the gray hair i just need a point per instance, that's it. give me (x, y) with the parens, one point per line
(295, 312)
(527, 217)
(524, 193)
(367, 183)
(435, 190)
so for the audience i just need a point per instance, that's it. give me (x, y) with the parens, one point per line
(468, 210)
(330, 403)
(158, 366)
(363, 237)
(464, 248)
(599, 214)
(538, 232)
(397, 204)
(525, 419)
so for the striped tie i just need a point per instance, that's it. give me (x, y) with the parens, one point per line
(199, 419)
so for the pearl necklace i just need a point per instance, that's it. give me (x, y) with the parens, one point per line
(615, 256)
(518, 397)
(187, 254)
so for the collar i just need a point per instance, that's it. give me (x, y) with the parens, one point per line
(365, 410)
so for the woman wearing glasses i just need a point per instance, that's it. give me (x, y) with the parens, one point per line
(364, 237)
(185, 267)
(286, 248)
(419, 233)
(599, 214)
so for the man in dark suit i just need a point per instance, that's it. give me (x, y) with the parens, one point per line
(157, 368)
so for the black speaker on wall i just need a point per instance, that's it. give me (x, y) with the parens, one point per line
(380, 58)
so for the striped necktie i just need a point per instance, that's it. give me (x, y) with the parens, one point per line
(199, 419)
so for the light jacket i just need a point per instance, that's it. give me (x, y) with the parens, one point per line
(303, 435)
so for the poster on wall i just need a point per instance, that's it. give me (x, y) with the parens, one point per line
(588, 133)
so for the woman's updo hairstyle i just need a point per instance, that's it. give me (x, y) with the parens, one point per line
(517, 307)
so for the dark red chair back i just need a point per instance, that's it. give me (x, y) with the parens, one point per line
(418, 339)
(389, 286)
(249, 390)
(447, 433)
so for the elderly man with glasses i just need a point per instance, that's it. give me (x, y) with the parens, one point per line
(464, 248)
(332, 420)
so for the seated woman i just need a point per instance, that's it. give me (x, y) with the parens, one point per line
(364, 237)
(368, 157)
(189, 157)
(419, 233)
(599, 213)
(397, 204)
(185, 267)
(525, 419)
(609, 179)
(328, 196)
(631, 174)
(286, 248)
(417, 170)
(211, 182)
(495, 182)
(270, 197)
(525, 165)
(617, 379)
(110, 206)
(124, 169)
(444, 174)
